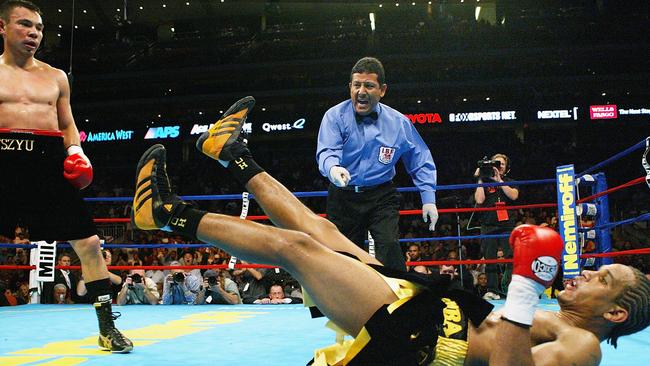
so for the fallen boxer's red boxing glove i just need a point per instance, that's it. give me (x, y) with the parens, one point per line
(537, 251)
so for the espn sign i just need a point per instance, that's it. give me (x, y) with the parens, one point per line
(607, 111)
(422, 118)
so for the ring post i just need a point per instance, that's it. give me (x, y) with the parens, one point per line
(603, 237)
(567, 220)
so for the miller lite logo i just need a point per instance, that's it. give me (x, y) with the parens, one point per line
(386, 154)
(545, 268)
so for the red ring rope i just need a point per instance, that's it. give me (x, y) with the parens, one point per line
(422, 263)
(613, 189)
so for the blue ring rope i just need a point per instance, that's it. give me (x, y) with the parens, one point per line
(614, 157)
(221, 197)
(609, 225)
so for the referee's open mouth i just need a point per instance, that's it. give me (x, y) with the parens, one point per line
(362, 105)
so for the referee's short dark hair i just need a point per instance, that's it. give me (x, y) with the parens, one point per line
(369, 65)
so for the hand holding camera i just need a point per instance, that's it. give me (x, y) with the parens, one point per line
(488, 170)
(134, 280)
(214, 283)
(179, 278)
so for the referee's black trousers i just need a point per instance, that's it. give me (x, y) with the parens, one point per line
(374, 209)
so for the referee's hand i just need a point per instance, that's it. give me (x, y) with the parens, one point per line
(339, 176)
(430, 214)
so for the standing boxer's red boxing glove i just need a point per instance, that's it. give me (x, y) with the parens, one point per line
(77, 168)
(537, 251)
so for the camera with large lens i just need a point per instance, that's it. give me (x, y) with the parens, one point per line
(179, 277)
(136, 278)
(485, 168)
(212, 281)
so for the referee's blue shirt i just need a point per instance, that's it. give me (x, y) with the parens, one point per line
(369, 149)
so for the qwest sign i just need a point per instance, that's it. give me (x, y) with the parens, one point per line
(166, 132)
(299, 124)
(116, 135)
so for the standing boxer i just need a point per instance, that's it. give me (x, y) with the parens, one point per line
(40, 146)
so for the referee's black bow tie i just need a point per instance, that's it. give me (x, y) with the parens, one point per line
(373, 115)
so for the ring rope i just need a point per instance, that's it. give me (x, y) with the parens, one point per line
(200, 266)
(401, 212)
(613, 189)
(642, 217)
(112, 246)
(639, 145)
(440, 210)
(251, 265)
(616, 254)
(615, 157)
(65, 245)
(221, 197)
(465, 237)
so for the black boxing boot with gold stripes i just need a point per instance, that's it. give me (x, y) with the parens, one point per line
(224, 142)
(218, 142)
(155, 207)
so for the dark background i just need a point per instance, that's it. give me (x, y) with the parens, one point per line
(142, 64)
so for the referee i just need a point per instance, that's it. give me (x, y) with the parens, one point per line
(359, 142)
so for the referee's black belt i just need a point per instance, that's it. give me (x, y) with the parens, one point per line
(361, 189)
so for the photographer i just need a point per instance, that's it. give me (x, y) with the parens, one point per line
(180, 287)
(217, 289)
(138, 289)
(495, 222)
(250, 282)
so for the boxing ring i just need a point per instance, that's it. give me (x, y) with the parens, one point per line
(66, 335)
(39, 334)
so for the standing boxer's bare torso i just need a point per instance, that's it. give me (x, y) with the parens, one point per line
(28, 96)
